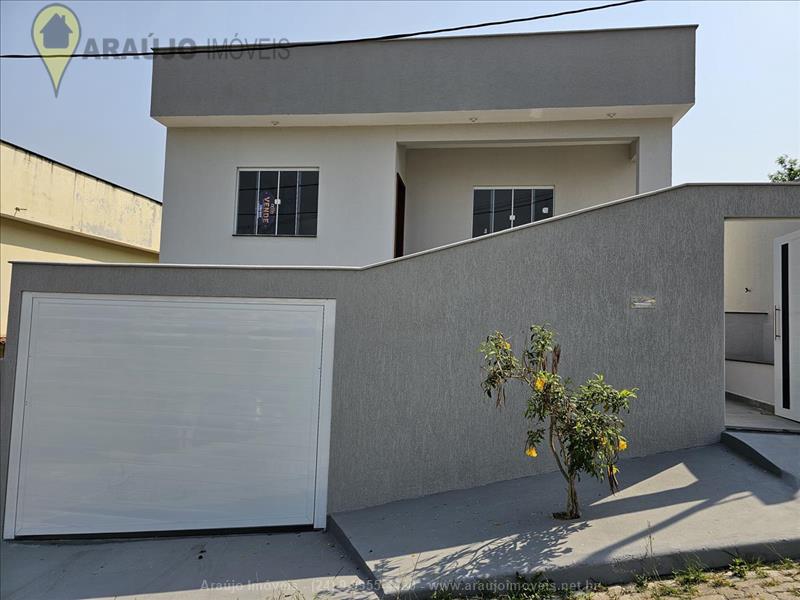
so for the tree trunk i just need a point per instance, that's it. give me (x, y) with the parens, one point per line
(573, 510)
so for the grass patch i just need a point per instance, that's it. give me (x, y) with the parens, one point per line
(690, 576)
(671, 590)
(640, 580)
(684, 584)
(787, 564)
(740, 567)
(718, 580)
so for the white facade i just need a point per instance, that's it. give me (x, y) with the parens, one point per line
(356, 194)
(587, 162)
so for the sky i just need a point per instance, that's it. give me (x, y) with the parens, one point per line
(747, 109)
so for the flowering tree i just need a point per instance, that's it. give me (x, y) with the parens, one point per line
(582, 427)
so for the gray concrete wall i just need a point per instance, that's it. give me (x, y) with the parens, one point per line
(623, 67)
(408, 414)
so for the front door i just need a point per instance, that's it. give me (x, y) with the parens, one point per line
(786, 327)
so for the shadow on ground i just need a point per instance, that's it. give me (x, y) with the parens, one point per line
(704, 503)
(305, 565)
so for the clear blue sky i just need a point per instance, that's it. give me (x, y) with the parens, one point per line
(748, 67)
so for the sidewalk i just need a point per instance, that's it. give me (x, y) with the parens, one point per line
(705, 504)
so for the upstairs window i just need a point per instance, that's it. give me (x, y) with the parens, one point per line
(499, 208)
(277, 202)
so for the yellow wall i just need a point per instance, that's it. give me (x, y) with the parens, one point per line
(21, 241)
(50, 212)
(37, 190)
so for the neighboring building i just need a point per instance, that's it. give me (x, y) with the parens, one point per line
(52, 212)
(380, 149)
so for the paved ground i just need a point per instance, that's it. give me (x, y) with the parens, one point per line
(245, 567)
(739, 415)
(777, 581)
(707, 503)
(704, 503)
(782, 450)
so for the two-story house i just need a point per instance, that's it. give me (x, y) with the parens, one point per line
(343, 224)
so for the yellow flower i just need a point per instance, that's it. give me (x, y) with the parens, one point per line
(531, 452)
(539, 384)
(506, 346)
(623, 443)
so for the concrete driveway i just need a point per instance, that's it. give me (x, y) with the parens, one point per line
(242, 567)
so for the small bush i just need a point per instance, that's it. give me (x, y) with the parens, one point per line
(582, 427)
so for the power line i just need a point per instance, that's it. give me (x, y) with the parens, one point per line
(380, 38)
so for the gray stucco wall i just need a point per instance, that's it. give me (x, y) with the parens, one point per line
(622, 67)
(408, 414)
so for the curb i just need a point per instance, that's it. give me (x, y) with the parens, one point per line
(339, 535)
(618, 572)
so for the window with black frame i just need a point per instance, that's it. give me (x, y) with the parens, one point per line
(277, 202)
(498, 208)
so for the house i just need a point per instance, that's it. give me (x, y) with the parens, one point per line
(384, 149)
(342, 227)
(52, 212)
(56, 32)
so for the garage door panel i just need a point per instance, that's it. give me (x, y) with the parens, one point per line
(136, 420)
(91, 521)
(114, 320)
(273, 426)
(117, 443)
(216, 402)
(159, 349)
(140, 498)
(184, 369)
(186, 479)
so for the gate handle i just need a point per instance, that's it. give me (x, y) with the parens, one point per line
(775, 321)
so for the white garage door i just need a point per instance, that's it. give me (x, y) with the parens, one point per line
(135, 414)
